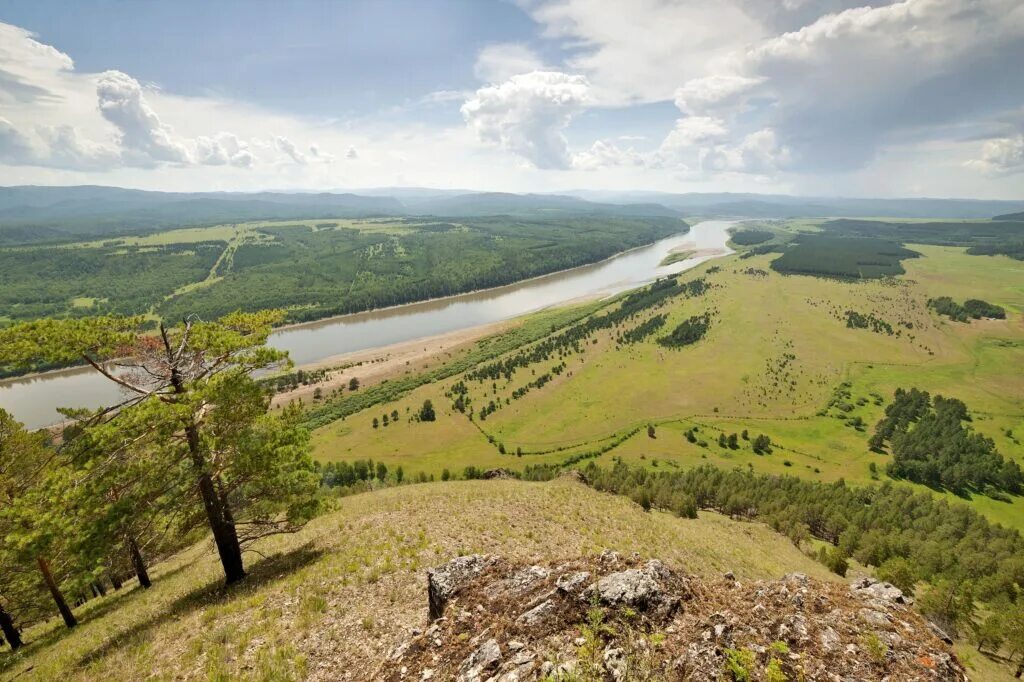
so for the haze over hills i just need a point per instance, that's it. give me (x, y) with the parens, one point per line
(53, 214)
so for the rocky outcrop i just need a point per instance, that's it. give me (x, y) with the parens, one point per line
(620, 618)
(444, 581)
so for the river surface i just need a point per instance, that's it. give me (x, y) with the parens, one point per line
(34, 400)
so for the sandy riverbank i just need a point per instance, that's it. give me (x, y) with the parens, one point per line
(374, 365)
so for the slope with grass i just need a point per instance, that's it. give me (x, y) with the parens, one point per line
(333, 599)
(779, 358)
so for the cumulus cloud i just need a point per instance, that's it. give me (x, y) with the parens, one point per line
(527, 115)
(53, 147)
(223, 149)
(1001, 156)
(351, 153)
(605, 154)
(497, 63)
(849, 83)
(642, 50)
(142, 135)
(759, 153)
(289, 148)
(713, 93)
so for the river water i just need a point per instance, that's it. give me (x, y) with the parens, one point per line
(33, 400)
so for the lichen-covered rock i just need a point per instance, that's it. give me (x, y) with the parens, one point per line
(874, 589)
(444, 581)
(481, 662)
(513, 623)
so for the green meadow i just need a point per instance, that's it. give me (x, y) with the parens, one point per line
(777, 351)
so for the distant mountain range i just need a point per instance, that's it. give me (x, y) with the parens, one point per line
(32, 214)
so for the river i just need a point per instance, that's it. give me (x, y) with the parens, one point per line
(33, 400)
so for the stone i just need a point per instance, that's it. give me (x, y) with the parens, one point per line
(538, 613)
(633, 587)
(444, 581)
(485, 659)
(873, 589)
(615, 662)
(571, 583)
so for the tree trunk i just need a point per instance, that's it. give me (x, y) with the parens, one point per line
(115, 581)
(138, 563)
(9, 631)
(58, 598)
(217, 511)
(101, 590)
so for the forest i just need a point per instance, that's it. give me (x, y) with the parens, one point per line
(931, 445)
(906, 536)
(997, 237)
(311, 271)
(842, 257)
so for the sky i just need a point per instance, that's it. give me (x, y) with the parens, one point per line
(809, 97)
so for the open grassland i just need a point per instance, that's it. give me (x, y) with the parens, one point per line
(778, 359)
(329, 602)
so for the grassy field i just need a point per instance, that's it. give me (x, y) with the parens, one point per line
(337, 595)
(776, 353)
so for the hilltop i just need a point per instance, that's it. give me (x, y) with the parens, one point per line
(339, 595)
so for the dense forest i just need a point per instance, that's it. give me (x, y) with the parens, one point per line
(311, 271)
(751, 237)
(1004, 237)
(842, 257)
(931, 445)
(907, 536)
(69, 281)
(315, 274)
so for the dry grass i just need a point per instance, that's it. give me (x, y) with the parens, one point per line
(329, 601)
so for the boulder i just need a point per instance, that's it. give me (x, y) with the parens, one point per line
(637, 587)
(444, 581)
(873, 589)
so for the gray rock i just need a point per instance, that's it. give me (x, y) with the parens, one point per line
(637, 587)
(873, 589)
(829, 638)
(444, 581)
(571, 583)
(484, 660)
(615, 662)
(940, 633)
(538, 613)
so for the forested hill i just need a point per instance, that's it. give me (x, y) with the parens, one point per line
(1011, 216)
(62, 214)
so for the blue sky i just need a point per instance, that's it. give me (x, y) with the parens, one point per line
(910, 98)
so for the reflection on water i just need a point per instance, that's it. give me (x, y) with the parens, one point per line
(34, 400)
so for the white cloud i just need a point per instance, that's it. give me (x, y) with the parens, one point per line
(287, 147)
(223, 149)
(712, 93)
(642, 50)
(1001, 156)
(527, 115)
(144, 138)
(605, 154)
(758, 153)
(351, 153)
(848, 84)
(499, 62)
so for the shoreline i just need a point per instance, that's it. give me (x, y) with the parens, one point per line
(7, 381)
(332, 318)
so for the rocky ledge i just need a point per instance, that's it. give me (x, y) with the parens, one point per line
(617, 618)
